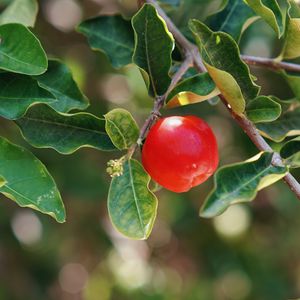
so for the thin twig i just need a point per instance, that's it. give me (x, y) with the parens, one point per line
(242, 121)
(159, 103)
(270, 63)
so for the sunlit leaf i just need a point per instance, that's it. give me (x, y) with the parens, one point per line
(18, 92)
(20, 11)
(43, 127)
(192, 90)
(287, 125)
(27, 181)
(269, 10)
(240, 183)
(122, 128)
(131, 205)
(58, 80)
(221, 57)
(153, 48)
(111, 34)
(20, 51)
(291, 48)
(263, 109)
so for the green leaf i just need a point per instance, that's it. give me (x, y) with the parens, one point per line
(293, 80)
(269, 10)
(263, 109)
(291, 48)
(43, 127)
(240, 183)
(221, 57)
(290, 152)
(131, 205)
(111, 34)
(153, 48)
(287, 125)
(192, 90)
(18, 92)
(20, 11)
(235, 18)
(121, 128)
(27, 181)
(20, 51)
(58, 80)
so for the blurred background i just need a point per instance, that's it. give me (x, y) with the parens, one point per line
(252, 251)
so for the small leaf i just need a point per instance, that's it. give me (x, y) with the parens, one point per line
(20, 11)
(27, 181)
(121, 128)
(192, 90)
(111, 34)
(153, 48)
(58, 80)
(287, 125)
(291, 48)
(290, 152)
(240, 183)
(20, 51)
(263, 109)
(293, 80)
(235, 18)
(269, 10)
(18, 93)
(43, 127)
(131, 205)
(221, 57)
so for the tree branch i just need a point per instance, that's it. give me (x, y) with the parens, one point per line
(159, 103)
(270, 63)
(248, 127)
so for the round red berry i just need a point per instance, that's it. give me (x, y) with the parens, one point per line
(180, 152)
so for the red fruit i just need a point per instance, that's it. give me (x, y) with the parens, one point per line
(180, 152)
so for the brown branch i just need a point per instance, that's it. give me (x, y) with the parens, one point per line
(270, 63)
(242, 121)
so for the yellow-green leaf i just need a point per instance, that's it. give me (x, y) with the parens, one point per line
(221, 57)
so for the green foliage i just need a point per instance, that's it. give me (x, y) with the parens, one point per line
(291, 48)
(293, 80)
(27, 181)
(43, 127)
(222, 60)
(111, 34)
(287, 125)
(131, 205)
(20, 11)
(290, 152)
(263, 109)
(192, 90)
(235, 18)
(20, 51)
(153, 48)
(121, 128)
(240, 183)
(58, 80)
(269, 10)
(18, 93)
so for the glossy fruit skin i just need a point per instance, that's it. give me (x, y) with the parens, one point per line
(180, 152)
